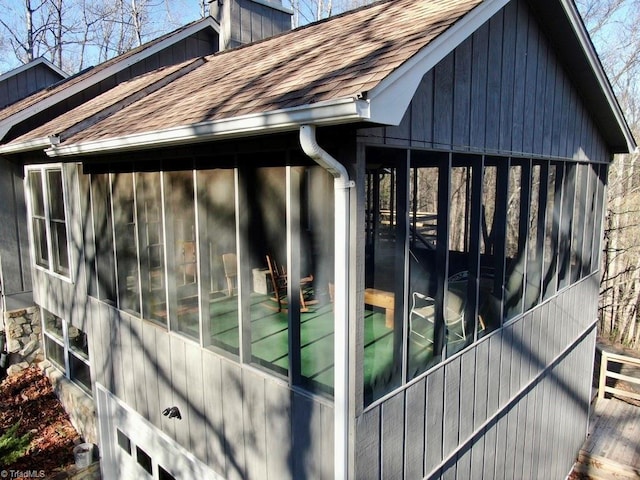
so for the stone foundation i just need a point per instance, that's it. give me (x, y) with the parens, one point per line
(23, 331)
(78, 405)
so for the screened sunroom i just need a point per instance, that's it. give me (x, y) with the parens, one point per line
(210, 252)
(463, 244)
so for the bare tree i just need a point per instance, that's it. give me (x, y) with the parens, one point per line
(615, 27)
(76, 33)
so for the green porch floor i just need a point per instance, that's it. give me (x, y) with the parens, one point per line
(270, 337)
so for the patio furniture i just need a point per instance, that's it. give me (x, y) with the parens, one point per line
(279, 283)
(423, 310)
(382, 299)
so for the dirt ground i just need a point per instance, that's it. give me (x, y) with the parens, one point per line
(29, 398)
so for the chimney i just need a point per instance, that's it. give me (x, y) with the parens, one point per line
(246, 21)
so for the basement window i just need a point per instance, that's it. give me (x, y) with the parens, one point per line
(66, 347)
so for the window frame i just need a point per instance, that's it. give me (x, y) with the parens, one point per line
(68, 350)
(52, 267)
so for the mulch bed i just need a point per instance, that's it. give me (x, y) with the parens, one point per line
(29, 398)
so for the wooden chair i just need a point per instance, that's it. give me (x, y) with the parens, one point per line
(230, 264)
(278, 278)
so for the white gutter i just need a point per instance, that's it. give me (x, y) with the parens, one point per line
(321, 113)
(341, 186)
(26, 146)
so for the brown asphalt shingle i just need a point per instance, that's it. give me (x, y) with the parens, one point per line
(341, 57)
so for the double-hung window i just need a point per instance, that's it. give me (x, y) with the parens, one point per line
(48, 219)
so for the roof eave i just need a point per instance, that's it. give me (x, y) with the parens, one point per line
(340, 111)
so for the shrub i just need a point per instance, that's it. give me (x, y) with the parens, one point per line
(12, 445)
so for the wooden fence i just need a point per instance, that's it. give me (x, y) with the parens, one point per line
(605, 373)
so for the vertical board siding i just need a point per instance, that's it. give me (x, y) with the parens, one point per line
(195, 398)
(494, 86)
(472, 418)
(214, 423)
(393, 435)
(278, 425)
(508, 80)
(434, 407)
(237, 420)
(367, 452)
(24, 83)
(443, 101)
(452, 394)
(137, 371)
(254, 420)
(164, 362)
(422, 103)
(462, 93)
(467, 395)
(415, 417)
(521, 87)
(503, 91)
(154, 408)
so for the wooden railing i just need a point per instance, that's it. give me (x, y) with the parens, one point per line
(605, 373)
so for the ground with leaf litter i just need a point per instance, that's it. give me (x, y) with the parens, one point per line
(28, 398)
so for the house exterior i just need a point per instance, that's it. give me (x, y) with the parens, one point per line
(434, 173)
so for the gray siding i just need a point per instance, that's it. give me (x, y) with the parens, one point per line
(26, 82)
(515, 405)
(246, 21)
(241, 422)
(14, 242)
(501, 91)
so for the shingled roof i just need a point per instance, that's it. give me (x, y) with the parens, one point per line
(334, 71)
(343, 57)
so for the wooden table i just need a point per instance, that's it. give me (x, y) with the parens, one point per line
(382, 299)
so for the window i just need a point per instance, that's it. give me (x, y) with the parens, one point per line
(216, 199)
(182, 263)
(48, 219)
(126, 241)
(66, 346)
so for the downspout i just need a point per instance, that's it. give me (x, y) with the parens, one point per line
(341, 185)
